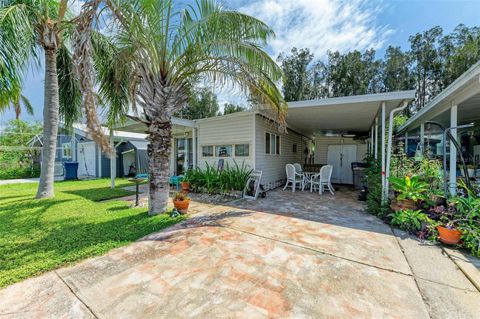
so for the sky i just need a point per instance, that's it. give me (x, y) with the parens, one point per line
(322, 25)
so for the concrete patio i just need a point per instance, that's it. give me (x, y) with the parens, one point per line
(290, 255)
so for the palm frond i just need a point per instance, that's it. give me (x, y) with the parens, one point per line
(26, 104)
(17, 47)
(69, 92)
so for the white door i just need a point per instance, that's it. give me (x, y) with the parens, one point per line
(86, 159)
(341, 158)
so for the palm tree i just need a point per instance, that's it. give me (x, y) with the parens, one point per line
(29, 27)
(15, 103)
(162, 50)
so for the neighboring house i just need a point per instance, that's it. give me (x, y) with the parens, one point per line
(333, 131)
(76, 146)
(456, 106)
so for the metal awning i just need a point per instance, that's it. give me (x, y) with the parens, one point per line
(140, 145)
(342, 114)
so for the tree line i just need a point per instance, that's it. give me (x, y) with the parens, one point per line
(433, 61)
(203, 103)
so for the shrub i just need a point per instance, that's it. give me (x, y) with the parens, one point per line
(374, 184)
(410, 220)
(213, 181)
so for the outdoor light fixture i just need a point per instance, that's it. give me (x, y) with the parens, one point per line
(348, 135)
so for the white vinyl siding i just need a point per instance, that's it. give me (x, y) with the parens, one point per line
(229, 130)
(321, 147)
(273, 167)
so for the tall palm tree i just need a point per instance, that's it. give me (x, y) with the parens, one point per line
(16, 102)
(162, 50)
(29, 27)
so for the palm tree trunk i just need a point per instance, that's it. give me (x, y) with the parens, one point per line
(160, 135)
(18, 109)
(50, 125)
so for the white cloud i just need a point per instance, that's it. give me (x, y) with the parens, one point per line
(321, 25)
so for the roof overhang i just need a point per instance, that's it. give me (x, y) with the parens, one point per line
(463, 92)
(342, 114)
(179, 125)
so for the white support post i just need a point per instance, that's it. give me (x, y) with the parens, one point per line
(389, 145)
(73, 146)
(371, 141)
(382, 143)
(194, 144)
(453, 151)
(406, 142)
(113, 162)
(422, 137)
(375, 150)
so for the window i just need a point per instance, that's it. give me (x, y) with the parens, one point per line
(242, 150)
(207, 151)
(295, 148)
(267, 143)
(223, 150)
(67, 150)
(272, 144)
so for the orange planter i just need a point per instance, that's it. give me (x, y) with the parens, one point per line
(449, 236)
(181, 205)
(185, 186)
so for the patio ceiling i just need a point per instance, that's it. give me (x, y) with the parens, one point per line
(342, 114)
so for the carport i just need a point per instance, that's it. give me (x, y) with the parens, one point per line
(456, 106)
(352, 116)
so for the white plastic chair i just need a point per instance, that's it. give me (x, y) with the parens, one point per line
(323, 179)
(298, 168)
(293, 177)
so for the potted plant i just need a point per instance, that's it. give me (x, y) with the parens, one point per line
(185, 183)
(437, 197)
(185, 186)
(447, 227)
(181, 202)
(410, 190)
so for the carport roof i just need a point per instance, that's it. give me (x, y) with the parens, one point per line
(463, 92)
(342, 114)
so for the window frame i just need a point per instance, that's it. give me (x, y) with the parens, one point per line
(274, 145)
(213, 150)
(69, 147)
(222, 145)
(243, 144)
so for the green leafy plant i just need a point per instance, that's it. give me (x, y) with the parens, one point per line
(410, 220)
(374, 186)
(181, 196)
(409, 187)
(213, 181)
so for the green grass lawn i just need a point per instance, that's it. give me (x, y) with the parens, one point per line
(40, 235)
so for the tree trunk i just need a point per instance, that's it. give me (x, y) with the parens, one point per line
(18, 109)
(160, 135)
(50, 125)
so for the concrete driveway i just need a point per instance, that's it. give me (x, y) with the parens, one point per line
(291, 255)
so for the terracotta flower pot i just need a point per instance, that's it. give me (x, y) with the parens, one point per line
(449, 236)
(181, 205)
(185, 186)
(403, 204)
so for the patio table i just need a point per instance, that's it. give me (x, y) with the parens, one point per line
(307, 177)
